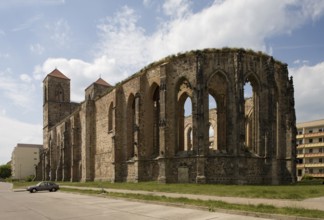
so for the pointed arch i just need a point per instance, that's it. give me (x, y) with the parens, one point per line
(155, 118)
(217, 86)
(131, 127)
(184, 93)
(277, 128)
(251, 106)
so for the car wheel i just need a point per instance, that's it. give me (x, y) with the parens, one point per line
(33, 190)
(53, 190)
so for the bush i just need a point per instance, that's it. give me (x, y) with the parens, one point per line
(29, 178)
(5, 171)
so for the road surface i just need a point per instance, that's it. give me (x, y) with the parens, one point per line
(59, 205)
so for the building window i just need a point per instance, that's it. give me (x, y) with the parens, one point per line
(320, 140)
(310, 170)
(310, 151)
(311, 160)
(320, 130)
(110, 117)
(310, 131)
(300, 172)
(300, 142)
(310, 141)
(320, 150)
(320, 160)
(300, 132)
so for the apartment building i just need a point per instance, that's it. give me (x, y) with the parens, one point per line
(310, 149)
(24, 159)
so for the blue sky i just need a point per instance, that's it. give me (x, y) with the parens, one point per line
(114, 39)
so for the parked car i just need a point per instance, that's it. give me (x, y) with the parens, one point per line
(44, 185)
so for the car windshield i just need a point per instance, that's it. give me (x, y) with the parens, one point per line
(40, 183)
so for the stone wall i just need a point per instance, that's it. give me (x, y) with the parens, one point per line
(137, 130)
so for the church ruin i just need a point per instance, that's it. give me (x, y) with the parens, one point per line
(137, 130)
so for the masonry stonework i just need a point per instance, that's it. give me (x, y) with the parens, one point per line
(137, 130)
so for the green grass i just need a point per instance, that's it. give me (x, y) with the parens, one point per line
(210, 205)
(293, 192)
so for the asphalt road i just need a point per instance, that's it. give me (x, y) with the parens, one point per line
(66, 206)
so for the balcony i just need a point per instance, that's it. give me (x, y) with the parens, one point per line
(312, 135)
(300, 155)
(311, 145)
(299, 136)
(310, 165)
(313, 155)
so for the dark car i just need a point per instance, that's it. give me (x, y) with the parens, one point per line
(44, 185)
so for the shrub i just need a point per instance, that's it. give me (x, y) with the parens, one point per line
(5, 171)
(29, 178)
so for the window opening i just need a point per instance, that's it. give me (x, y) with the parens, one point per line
(156, 120)
(212, 132)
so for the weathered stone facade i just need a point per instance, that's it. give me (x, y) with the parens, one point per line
(137, 131)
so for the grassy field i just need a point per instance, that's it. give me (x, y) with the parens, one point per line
(293, 192)
(210, 205)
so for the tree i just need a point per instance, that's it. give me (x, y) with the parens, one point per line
(5, 171)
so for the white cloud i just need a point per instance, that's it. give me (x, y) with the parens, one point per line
(2, 112)
(13, 132)
(231, 23)
(36, 49)
(312, 8)
(124, 41)
(301, 62)
(309, 87)
(147, 3)
(177, 8)
(59, 32)
(25, 78)
(20, 93)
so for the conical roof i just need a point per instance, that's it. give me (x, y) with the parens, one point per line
(58, 74)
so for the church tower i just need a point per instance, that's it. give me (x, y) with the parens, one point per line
(56, 104)
(56, 98)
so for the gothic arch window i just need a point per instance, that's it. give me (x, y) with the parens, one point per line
(184, 106)
(131, 127)
(251, 112)
(212, 132)
(156, 120)
(218, 92)
(59, 93)
(276, 150)
(110, 117)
